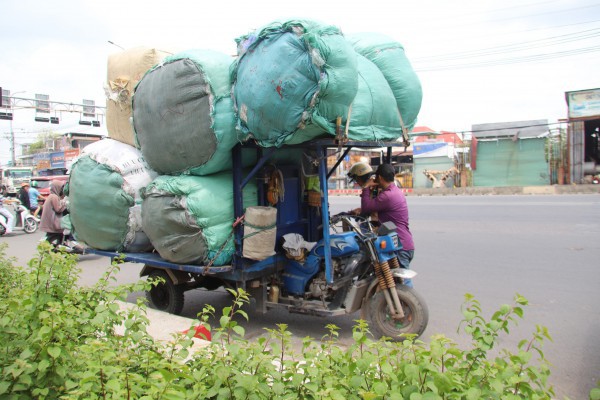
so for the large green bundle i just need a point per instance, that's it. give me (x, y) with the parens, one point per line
(104, 196)
(183, 114)
(292, 80)
(390, 58)
(374, 116)
(189, 218)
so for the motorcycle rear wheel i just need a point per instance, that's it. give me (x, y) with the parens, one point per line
(416, 315)
(31, 225)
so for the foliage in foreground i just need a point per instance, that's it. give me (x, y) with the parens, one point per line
(59, 341)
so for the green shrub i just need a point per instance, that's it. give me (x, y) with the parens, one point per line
(58, 340)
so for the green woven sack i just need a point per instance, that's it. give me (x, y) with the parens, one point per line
(183, 114)
(189, 218)
(104, 196)
(389, 56)
(291, 81)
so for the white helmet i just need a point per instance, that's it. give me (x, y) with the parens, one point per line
(360, 170)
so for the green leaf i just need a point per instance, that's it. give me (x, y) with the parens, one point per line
(53, 351)
(469, 315)
(239, 330)
(518, 311)
(595, 394)
(473, 394)
(167, 375)
(380, 388)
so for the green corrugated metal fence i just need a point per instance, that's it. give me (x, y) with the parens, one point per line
(505, 162)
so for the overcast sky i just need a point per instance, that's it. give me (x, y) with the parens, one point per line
(479, 61)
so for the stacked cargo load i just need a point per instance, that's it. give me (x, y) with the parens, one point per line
(299, 80)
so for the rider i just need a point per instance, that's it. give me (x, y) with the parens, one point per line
(34, 196)
(390, 205)
(24, 195)
(52, 212)
(8, 225)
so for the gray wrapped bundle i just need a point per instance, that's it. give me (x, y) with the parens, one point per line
(189, 218)
(183, 114)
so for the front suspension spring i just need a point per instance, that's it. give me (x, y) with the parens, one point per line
(394, 263)
(387, 273)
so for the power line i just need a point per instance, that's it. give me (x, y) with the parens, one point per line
(519, 46)
(513, 60)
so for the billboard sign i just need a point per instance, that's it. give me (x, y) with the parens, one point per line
(583, 103)
(57, 159)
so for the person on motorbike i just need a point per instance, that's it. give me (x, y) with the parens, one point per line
(390, 205)
(8, 225)
(24, 195)
(34, 196)
(52, 212)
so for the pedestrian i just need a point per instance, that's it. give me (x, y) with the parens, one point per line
(34, 197)
(24, 195)
(8, 224)
(52, 213)
(390, 205)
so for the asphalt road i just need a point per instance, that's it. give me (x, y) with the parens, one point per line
(546, 248)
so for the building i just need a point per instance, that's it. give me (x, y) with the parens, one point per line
(583, 147)
(59, 153)
(438, 158)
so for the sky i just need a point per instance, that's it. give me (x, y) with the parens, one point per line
(478, 61)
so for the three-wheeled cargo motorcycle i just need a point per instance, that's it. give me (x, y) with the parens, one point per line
(321, 265)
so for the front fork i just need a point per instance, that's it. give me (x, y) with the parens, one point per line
(387, 284)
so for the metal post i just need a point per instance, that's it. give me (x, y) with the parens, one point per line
(322, 154)
(12, 145)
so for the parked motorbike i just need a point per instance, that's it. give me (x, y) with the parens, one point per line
(22, 218)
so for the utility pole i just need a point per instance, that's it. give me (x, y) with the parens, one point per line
(12, 145)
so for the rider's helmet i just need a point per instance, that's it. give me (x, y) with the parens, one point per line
(34, 184)
(361, 171)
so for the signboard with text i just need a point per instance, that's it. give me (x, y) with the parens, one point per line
(57, 159)
(583, 103)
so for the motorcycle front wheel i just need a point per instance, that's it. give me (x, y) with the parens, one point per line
(31, 225)
(416, 315)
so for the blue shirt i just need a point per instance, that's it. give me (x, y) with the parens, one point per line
(33, 197)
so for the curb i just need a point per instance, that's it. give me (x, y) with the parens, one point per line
(163, 326)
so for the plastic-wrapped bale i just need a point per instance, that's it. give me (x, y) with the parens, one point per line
(183, 114)
(105, 199)
(189, 218)
(389, 56)
(374, 115)
(125, 69)
(292, 80)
